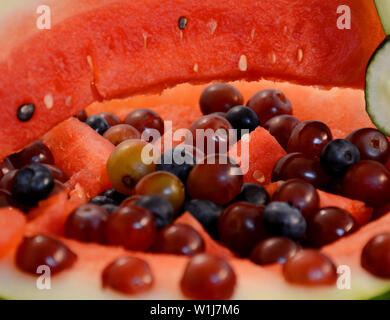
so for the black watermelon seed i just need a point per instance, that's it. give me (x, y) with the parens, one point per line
(26, 111)
(182, 23)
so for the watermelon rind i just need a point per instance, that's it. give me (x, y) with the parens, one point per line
(377, 91)
(383, 7)
(79, 285)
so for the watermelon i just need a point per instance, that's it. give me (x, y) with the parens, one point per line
(104, 49)
(263, 151)
(111, 48)
(84, 163)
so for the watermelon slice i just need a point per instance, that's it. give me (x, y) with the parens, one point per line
(223, 40)
(356, 208)
(51, 214)
(263, 152)
(211, 246)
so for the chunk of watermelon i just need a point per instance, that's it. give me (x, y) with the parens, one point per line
(81, 153)
(356, 208)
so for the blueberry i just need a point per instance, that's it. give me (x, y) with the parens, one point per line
(160, 207)
(282, 219)
(337, 156)
(242, 117)
(97, 123)
(207, 213)
(101, 200)
(114, 195)
(253, 193)
(177, 161)
(32, 184)
(110, 208)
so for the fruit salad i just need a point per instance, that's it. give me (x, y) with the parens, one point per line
(144, 155)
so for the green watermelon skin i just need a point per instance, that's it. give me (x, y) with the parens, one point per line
(258, 157)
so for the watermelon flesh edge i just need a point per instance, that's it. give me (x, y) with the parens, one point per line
(254, 282)
(81, 153)
(114, 53)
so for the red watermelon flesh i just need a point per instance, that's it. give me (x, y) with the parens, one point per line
(343, 110)
(264, 151)
(12, 226)
(81, 153)
(112, 49)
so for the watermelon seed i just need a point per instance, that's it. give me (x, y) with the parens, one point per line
(273, 58)
(48, 101)
(300, 55)
(213, 25)
(26, 111)
(253, 33)
(259, 176)
(182, 23)
(68, 101)
(89, 60)
(196, 67)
